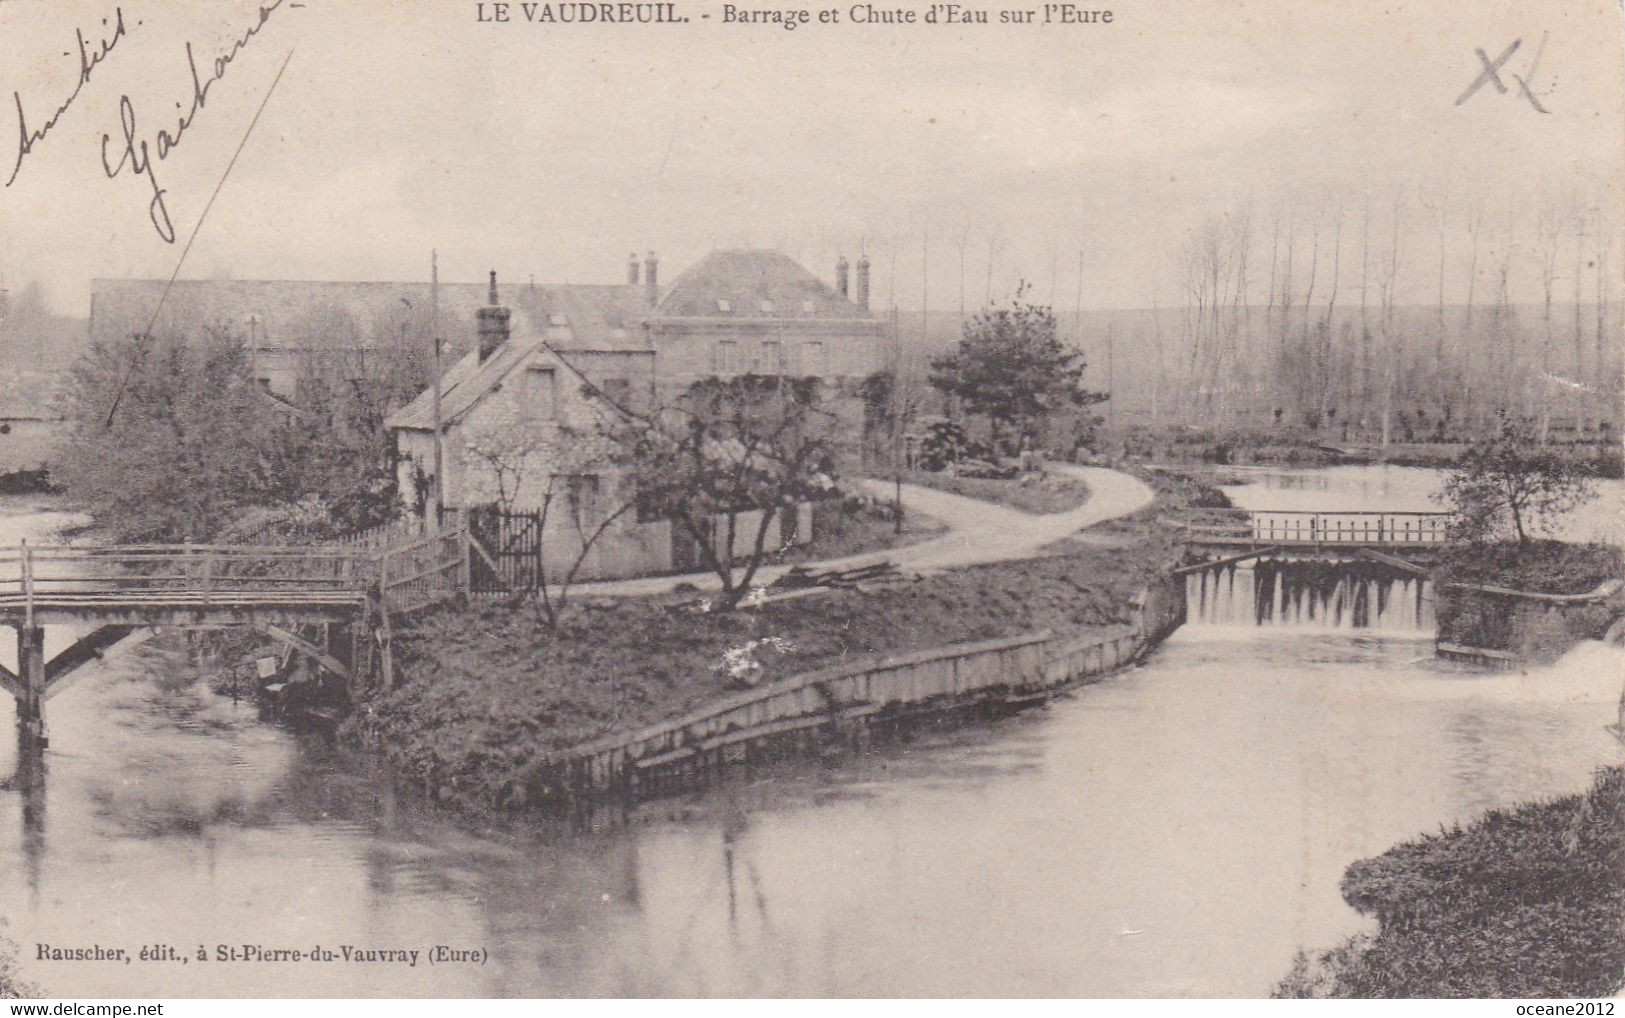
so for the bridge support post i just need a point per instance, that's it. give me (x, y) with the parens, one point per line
(31, 699)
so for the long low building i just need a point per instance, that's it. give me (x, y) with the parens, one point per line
(733, 312)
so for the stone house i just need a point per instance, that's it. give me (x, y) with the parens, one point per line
(526, 418)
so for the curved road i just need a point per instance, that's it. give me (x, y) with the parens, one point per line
(978, 531)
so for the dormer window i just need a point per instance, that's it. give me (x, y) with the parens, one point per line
(725, 306)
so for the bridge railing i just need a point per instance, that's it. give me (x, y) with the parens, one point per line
(404, 574)
(156, 569)
(1291, 526)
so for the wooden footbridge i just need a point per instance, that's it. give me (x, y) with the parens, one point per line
(1303, 530)
(1403, 540)
(105, 593)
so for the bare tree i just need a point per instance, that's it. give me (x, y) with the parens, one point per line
(514, 453)
(1387, 284)
(1549, 234)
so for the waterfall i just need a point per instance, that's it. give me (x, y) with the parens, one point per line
(1346, 595)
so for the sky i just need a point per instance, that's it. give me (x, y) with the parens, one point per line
(959, 158)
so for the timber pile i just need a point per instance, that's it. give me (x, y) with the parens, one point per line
(876, 574)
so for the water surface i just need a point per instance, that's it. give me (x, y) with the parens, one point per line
(1179, 829)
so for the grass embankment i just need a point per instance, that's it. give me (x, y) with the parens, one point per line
(487, 693)
(1526, 902)
(1532, 629)
(1041, 493)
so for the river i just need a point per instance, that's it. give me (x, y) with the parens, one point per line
(1179, 829)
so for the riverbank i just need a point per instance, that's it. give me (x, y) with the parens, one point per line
(1525, 902)
(1299, 448)
(487, 694)
(1542, 626)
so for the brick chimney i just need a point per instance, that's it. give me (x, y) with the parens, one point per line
(842, 266)
(863, 284)
(632, 269)
(493, 323)
(651, 277)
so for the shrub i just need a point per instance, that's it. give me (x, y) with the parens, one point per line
(1525, 902)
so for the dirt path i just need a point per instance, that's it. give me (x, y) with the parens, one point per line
(978, 531)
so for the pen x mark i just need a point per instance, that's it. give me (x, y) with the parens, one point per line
(1491, 72)
(1491, 75)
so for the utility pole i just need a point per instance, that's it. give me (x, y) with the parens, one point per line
(896, 424)
(434, 329)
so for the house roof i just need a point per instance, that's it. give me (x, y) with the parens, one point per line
(467, 381)
(346, 315)
(753, 284)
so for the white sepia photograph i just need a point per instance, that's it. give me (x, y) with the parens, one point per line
(911, 500)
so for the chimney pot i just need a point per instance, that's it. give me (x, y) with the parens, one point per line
(863, 284)
(632, 269)
(651, 277)
(842, 268)
(492, 323)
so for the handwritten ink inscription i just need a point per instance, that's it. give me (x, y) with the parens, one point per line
(133, 150)
(89, 59)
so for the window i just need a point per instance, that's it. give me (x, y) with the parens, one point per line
(557, 319)
(618, 391)
(581, 498)
(727, 359)
(540, 394)
(812, 358)
(806, 307)
(772, 361)
(766, 306)
(724, 306)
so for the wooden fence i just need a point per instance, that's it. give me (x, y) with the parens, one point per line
(424, 571)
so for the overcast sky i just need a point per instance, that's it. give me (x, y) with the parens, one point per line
(553, 151)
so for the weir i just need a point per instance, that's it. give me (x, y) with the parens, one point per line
(1346, 594)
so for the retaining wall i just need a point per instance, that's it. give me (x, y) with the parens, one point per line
(843, 702)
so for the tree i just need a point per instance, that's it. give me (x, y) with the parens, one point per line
(170, 437)
(1012, 368)
(167, 440)
(727, 449)
(1511, 478)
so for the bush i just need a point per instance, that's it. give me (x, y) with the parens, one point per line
(1526, 902)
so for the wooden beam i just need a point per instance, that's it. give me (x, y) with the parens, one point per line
(1392, 560)
(1216, 563)
(90, 647)
(10, 681)
(305, 647)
